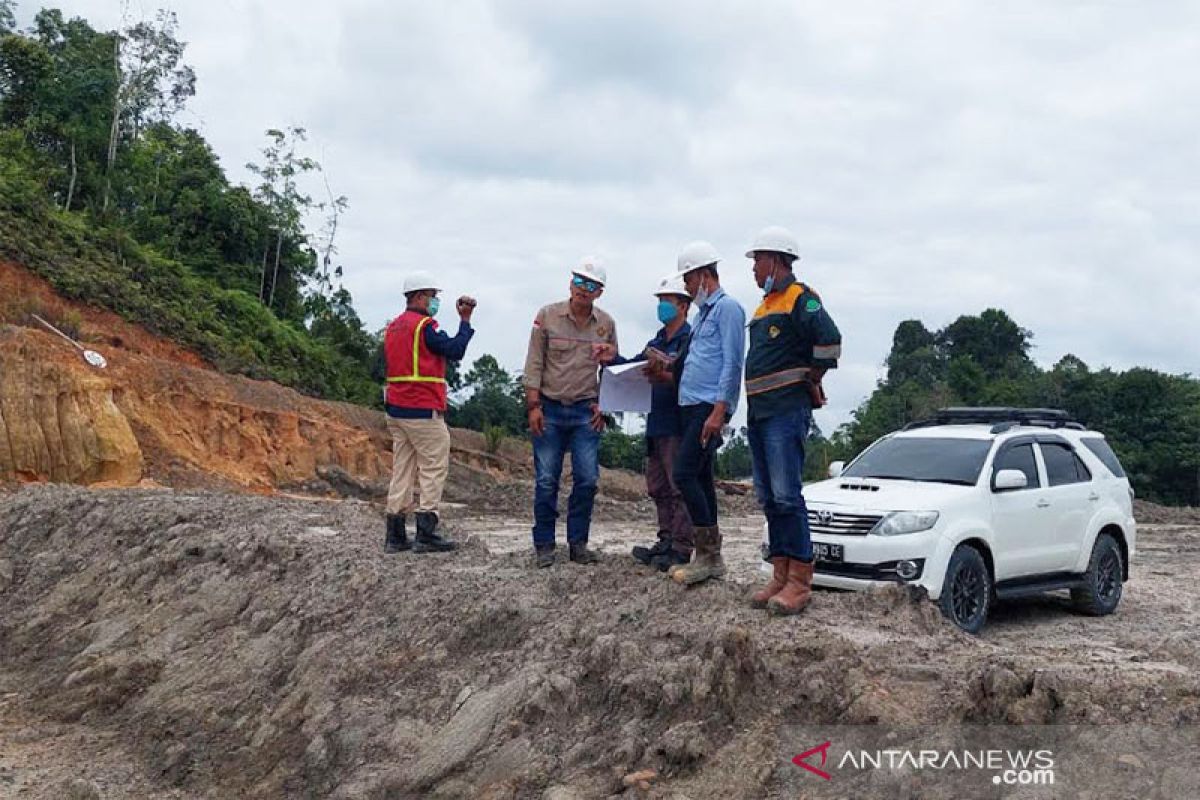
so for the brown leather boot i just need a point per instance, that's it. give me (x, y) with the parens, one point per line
(797, 590)
(707, 562)
(775, 586)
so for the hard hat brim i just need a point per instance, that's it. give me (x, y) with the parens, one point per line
(681, 273)
(588, 276)
(750, 253)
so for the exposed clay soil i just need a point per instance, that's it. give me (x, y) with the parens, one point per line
(171, 644)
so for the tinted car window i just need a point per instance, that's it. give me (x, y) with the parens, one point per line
(1020, 458)
(1107, 457)
(1063, 466)
(932, 460)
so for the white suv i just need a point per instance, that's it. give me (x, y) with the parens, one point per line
(978, 504)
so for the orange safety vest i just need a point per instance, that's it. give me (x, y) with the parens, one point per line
(416, 376)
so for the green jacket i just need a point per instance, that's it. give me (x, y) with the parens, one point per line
(790, 335)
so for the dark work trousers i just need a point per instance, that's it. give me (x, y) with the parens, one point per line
(693, 470)
(674, 524)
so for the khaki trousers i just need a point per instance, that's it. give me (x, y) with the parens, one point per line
(420, 457)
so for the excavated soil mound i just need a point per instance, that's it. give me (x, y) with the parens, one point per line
(242, 646)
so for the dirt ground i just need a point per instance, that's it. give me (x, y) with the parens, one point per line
(173, 644)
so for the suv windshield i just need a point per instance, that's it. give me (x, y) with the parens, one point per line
(908, 458)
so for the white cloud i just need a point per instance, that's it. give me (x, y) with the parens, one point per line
(936, 158)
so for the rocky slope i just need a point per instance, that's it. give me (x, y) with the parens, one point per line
(158, 412)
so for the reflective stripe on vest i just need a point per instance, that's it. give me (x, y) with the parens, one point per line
(776, 380)
(416, 376)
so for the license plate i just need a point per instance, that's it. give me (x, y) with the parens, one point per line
(831, 553)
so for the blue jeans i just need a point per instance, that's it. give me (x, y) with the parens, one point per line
(777, 449)
(693, 469)
(568, 428)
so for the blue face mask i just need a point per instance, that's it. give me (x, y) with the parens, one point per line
(667, 311)
(769, 284)
(434, 304)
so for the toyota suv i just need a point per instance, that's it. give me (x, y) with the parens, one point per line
(979, 504)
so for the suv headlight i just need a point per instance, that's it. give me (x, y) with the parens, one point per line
(899, 522)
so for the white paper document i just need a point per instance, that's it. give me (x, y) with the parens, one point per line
(625, 388)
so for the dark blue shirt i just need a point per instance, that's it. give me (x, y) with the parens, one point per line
(452, 348)
(664, 419)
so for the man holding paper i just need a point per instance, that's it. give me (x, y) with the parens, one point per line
(664, 427)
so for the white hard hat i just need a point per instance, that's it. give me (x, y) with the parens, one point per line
(774, 239)
(591, 268)
(695, 255)
(418, 281)
(672, 284)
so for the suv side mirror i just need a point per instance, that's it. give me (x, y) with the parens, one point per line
(835, 469)
(1009, 479)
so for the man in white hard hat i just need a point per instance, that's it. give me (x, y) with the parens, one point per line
(676, 537)
(562, 389)
(793, 341)
(416, 353)
(710, 375)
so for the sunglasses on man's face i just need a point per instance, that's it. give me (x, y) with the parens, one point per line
(585, 284)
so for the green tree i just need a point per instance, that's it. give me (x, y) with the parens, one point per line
(1152, 420)
(914, 355)
(152, 84)
(279, 191)
(56, 86)
(733, 460)
(8, 19)
(155, 231)
(495, 399)
(620, 450)
(992, 340)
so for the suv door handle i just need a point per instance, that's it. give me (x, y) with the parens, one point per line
(1093, 497)
(1043, 503)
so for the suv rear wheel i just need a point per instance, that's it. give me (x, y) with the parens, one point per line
(1102, 583)
(967, 590)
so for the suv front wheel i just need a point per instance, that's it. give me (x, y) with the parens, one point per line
(1101, 590)
(967, 590)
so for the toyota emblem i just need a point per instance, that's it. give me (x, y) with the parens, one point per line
(825, 517)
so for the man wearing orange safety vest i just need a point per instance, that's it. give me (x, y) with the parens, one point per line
(415, 398)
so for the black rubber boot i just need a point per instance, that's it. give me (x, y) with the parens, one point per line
(648, 554)
(669, 559)
(427, 538)
(543, 556)
(397, 536)
(579, 553)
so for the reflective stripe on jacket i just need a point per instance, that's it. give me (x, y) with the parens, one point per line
(790, 335)
(416, 376)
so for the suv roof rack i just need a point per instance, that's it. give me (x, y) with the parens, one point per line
(1002, 418)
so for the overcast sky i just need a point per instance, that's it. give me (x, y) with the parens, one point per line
(934, 158)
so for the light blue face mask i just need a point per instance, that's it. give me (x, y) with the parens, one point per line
(769, 284)
(434, 304)
(667, 311)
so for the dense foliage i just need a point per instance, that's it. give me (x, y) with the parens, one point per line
(105, 196)
(1150, 418)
